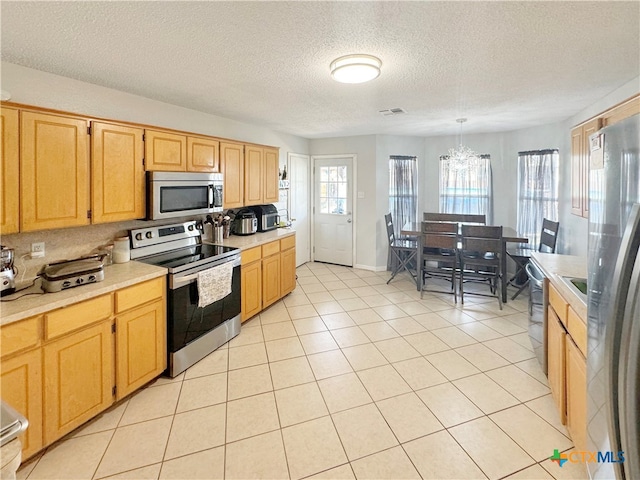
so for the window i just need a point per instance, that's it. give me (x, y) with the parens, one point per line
(537, 192)
(466, 188)
(333, 190)
(403, 193)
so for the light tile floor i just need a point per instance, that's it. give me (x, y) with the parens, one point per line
(346, 377)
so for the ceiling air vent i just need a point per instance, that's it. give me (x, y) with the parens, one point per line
(392, 111)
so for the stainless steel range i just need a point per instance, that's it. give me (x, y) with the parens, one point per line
(193, 330)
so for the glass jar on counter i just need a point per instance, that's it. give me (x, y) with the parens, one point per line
(107, 253)
(121, 250)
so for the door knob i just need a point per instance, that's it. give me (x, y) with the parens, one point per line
(349, 221)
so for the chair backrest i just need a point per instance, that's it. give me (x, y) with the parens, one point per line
(454, 217)
(549, 236)
(391, 236)
(482, 238)
(439, 235)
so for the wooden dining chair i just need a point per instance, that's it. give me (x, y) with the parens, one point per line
(454, 217)
(438, 257)
(403, 252)
(479, 259)
(521, 256)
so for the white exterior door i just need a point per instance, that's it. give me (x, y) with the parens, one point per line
(333, 209)
(299, 208)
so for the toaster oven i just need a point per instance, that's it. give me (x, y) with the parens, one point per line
(267, 216)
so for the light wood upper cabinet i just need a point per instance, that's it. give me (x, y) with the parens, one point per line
(54, 171)
(9, 171)
(117, 173)
(203, 154)
(165, 151)
(232, 160)
(253, 175)
(624, 110)
(21, 383)
(79, 372)
(271, 194)
(580, 159)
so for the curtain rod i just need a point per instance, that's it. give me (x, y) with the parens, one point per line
(483, 156)
(401, 157)
(539, 152)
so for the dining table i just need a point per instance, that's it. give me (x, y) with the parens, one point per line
(509, 235)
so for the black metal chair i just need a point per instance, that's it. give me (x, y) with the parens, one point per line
(402, 252)
(479, 259)
(521, 256)
(438, 255)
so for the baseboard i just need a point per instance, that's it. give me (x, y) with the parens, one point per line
(370, 268)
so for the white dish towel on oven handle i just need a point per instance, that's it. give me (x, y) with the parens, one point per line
(214, 284)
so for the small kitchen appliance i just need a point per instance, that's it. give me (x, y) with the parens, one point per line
(7, 271)
(267, 216)
(182, 194)
(245, 222)
(72, 273)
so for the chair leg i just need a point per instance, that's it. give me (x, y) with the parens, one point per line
(462, 283)
(524, 285)
(499, 289)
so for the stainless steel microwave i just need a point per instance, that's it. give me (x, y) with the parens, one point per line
(181, 194)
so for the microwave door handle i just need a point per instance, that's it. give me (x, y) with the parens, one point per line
(211, 196)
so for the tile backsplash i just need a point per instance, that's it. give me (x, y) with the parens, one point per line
(69, 243)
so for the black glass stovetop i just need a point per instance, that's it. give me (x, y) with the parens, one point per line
(182, 258)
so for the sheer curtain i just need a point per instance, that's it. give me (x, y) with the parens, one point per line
(403, 192)
(537, 192)
(467, 188)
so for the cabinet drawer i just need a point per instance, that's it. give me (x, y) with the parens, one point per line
(139, 294)
(20, 335)
(270, 248)
(578, 331)
(251, 255)
(287, 243)
(558, 303)
(76, 316)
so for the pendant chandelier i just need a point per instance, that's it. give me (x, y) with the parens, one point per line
(460, 157)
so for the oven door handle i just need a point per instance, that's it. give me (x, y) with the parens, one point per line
(179, 281)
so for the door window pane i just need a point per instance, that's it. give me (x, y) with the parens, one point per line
(333, 190)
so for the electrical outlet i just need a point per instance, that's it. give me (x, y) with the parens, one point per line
(37, 250)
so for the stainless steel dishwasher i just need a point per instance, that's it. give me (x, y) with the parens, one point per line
(538, 298)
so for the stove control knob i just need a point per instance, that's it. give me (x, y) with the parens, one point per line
(80, 281)
(190, 228)
(5, 282)
(138, 236)
(92, 278)
(148, 235)
(66, 284)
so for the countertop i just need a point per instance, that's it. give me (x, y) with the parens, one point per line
(116, 276)
(244, 242)
(555, 266)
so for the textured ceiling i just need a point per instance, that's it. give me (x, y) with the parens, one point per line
(504, 65)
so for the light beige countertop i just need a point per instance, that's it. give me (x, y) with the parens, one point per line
(556, 266)
(244, 242)
(116, 276)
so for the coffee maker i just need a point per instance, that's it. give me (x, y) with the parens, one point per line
(7, 271)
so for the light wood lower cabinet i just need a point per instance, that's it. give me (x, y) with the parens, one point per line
(577, 395)
(21, 383)
(268, 274)
(556, 346)
(63, 368)
(78, 379)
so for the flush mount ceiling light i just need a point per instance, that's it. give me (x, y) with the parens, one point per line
(355, 68)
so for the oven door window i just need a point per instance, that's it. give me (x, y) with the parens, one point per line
(184, 198)
(187, 322)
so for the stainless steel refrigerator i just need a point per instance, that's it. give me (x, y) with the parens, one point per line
(613, 357)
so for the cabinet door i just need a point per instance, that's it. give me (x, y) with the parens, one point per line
(576, 395)
(270, 280)
(78, 373)
(556, 338)
(141, 352)
(117, 173)
(164, 151)
(588, 129)
(287, 271)
(9, 171)
(232, 159)
(54, 172)
(21, 383)
(271, 170)
(251, 285)
(576, 171)
(203, 155)
(253, 175)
